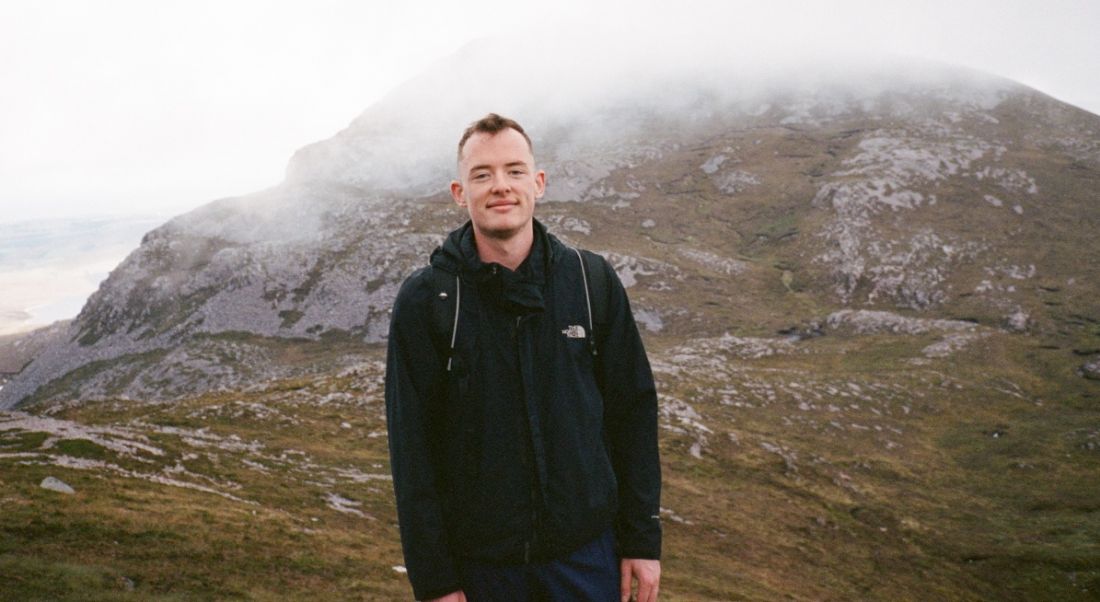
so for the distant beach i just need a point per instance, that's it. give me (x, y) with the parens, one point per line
(49, 268)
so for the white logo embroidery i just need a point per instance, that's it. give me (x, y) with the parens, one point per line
(575, 331)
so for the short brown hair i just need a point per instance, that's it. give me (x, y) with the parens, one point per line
(492, 124)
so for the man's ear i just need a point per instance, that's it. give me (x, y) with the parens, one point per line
(540, 184)
(456, 193)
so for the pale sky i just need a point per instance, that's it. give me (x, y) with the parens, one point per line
(125, 107)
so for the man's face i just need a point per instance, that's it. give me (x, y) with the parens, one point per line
(498, 183)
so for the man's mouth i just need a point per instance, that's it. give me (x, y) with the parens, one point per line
(501, 204)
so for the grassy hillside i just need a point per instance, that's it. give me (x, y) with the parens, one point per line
(839, 467)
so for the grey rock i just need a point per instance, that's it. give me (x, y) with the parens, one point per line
(1018, 320)
(55, 484)
(1091, 370)
(865, 321)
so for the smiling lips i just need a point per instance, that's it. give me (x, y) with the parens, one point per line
(501, 204)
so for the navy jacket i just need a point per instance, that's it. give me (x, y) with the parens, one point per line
(530, 445)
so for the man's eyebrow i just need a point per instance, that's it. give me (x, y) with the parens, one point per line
(509, 164)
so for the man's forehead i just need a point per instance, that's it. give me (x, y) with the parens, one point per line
(505, 146)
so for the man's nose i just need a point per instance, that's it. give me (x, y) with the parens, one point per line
(500, 183)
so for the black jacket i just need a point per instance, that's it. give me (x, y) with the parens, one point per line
(530, 445)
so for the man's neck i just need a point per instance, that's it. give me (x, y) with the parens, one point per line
(508, 252)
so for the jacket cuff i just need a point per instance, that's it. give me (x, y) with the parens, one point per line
(435, 581)
(639, 545)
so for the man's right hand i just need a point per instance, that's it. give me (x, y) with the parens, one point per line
(451, 597)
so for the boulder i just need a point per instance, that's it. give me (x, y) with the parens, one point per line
(55, 484)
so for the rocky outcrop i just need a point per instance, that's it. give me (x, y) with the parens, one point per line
(864, 321)
(17, 350)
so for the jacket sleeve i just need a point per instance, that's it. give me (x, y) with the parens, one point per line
(630, 421)
(413, 375)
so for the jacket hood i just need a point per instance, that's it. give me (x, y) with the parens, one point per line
(522, 289)
(458, 253)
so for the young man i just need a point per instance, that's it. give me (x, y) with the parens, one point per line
(521, 408)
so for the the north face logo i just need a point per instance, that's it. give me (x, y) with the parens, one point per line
(575, 331)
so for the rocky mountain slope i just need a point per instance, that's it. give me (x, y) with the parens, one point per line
(940, 192)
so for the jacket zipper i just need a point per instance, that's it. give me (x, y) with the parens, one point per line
(534, 477)
(534, 525)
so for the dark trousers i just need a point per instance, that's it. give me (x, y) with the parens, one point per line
(590, 574)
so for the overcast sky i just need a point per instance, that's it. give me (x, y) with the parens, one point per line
(144, 107)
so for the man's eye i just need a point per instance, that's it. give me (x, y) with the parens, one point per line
(481, 176)
(517, 172)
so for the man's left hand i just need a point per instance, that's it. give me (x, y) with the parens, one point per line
(646, 572)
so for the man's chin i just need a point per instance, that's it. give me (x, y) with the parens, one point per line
(502, 232)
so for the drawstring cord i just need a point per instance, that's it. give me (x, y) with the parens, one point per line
(587, 303)
(454, 329)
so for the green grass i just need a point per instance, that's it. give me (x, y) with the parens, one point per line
(899, 492)
(81, 448)
(33, 579)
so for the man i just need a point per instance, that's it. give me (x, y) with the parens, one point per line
(520, 404)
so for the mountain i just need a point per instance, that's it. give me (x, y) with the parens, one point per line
(868, 294)
(928, 192)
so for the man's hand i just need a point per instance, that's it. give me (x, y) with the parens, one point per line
(451, 597)
(648, 574)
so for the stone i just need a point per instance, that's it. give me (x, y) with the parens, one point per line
(1091, 370)
(55, 484)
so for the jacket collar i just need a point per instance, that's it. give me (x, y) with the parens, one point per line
(520, 291)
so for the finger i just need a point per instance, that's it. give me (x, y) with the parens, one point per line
(647, 592)
(624, 581)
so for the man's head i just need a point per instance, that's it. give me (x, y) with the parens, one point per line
(491, 124)
(497, 180)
